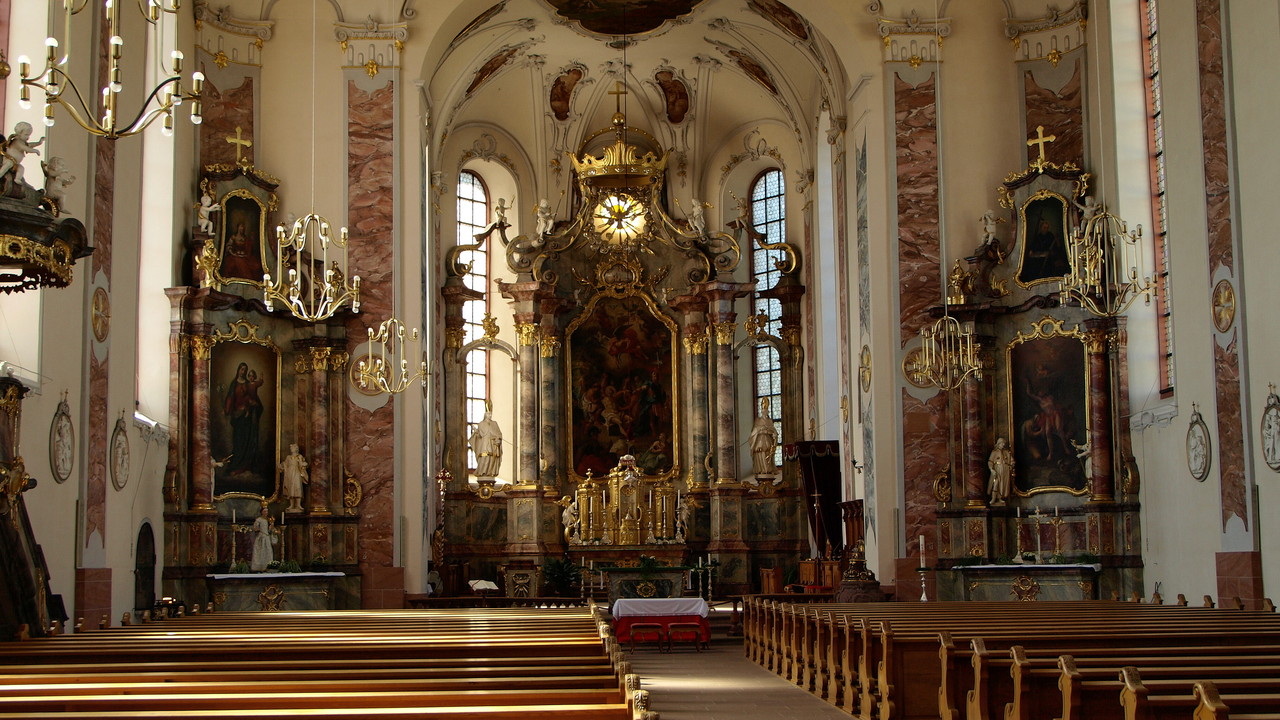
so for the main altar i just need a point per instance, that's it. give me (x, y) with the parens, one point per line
(629, 437)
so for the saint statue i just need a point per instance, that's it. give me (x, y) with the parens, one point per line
(1000, 463)
(263, 539)
(486, 443)
(571, 519)
(698, 217)
(764, 441)
(294, 468)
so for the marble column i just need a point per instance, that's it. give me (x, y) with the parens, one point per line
(974, 466)
(1098, 337)
(454, 413)
(698, 435)
(789, 293)
(201, 448)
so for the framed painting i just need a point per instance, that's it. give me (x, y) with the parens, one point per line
(244, 253)
(244, 413)
(1048, 409)
(622, 386)
(1043, 238)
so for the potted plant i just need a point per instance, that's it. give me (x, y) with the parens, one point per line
(560, 577)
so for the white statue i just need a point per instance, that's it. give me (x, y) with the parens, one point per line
(1084, 452)
(294, 468)
(698, 217)
(56, 179)
(545, 222)
(570, 518)
(989, 220)
(688, 507)
(500, 211)
(486, 443)
(263, 539)
(763, 441)
(1000, 463)
(205, 211)
(16, 148)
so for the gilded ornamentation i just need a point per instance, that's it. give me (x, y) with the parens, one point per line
(352, 493)
(49, 265)
(13, 480)
(219, 598)
(208, 262)
(271, 599)
(526, 332)
(200, 346)
(453, 337)
(1054, 57)
(221, 59)
(724, 332)
(1025, 588)
(791, 335)
(550, 344)
(864, 368)
(11, 402)
(646, 589)
(696, 344)
(101, 319)
(1096, 342)
(756, 326)
(915, 61)
(942, 487)
(243, 331)
(1086, 588)
(371, 68)
(1224, 305)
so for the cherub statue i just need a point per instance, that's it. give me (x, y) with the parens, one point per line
(205, 211)
(16, 147)
(56, 179)
(698, 217)
(545, 221)
(500, 211)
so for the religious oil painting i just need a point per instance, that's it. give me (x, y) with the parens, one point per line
(1043, 239)
(243, 253)
(243, 418)
(622, 386)
(1049, 413)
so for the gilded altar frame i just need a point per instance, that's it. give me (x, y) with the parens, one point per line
(1046, 209)
(241, 345)
(575, 380)
(1047, 407)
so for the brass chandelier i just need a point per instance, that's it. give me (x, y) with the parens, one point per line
(60, 89)
(385, 374)
(1107, 273)
(315, 289)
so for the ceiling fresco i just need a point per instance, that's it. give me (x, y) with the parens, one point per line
(622, 17)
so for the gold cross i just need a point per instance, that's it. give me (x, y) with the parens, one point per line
(1041, 139)
(617, 92)
(241, 143)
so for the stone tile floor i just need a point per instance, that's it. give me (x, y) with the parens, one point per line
(720, 683)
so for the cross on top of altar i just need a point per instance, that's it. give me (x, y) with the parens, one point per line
(1040, 140)
(241, 143)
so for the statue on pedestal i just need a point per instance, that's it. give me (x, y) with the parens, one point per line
(263, 539)
(1000, 463)
(763, 442)
(294, 468)
(486, 443)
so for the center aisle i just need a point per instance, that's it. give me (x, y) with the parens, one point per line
(721, 684)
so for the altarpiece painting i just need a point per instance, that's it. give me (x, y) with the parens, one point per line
(1048, 409)
(243, 417)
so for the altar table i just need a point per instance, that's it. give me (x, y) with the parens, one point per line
(661, 611)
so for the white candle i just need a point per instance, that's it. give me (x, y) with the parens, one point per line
(233, 516)
(1055, 511)
(1019, 512)
(282, 517)
(921, 551)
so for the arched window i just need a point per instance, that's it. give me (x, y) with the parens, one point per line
(1159, 208)
(768, 215)
(473, 217)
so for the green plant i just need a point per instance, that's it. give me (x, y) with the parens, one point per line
(290, 566)
(1086, 558)
(561, 577)
(648, 566)
(240, 568)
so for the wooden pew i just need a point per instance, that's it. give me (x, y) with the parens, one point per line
(503, 664)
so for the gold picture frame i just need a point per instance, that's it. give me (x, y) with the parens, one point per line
(245, 373)
(1043, 227)
(1047, 408)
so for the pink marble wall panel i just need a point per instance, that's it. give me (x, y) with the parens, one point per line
(1217, 189)
(370, 448)
(1062, 115)
(95, 508)
(224, 111)
(93, 596)
(915, 115)
(924, 428)
(1240, 576)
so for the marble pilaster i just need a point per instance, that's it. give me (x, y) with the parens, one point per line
(1221, 233)
(975, 469)
(454, 413)
(1097, 341)
(696, 341)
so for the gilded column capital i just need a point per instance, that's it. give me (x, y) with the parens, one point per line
(791, 335)
(695, 344)
(527, 333)
(200, 346)
(724, 332)
(1096, 341)
(453, 337)
(550, 344)
(339, 361)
